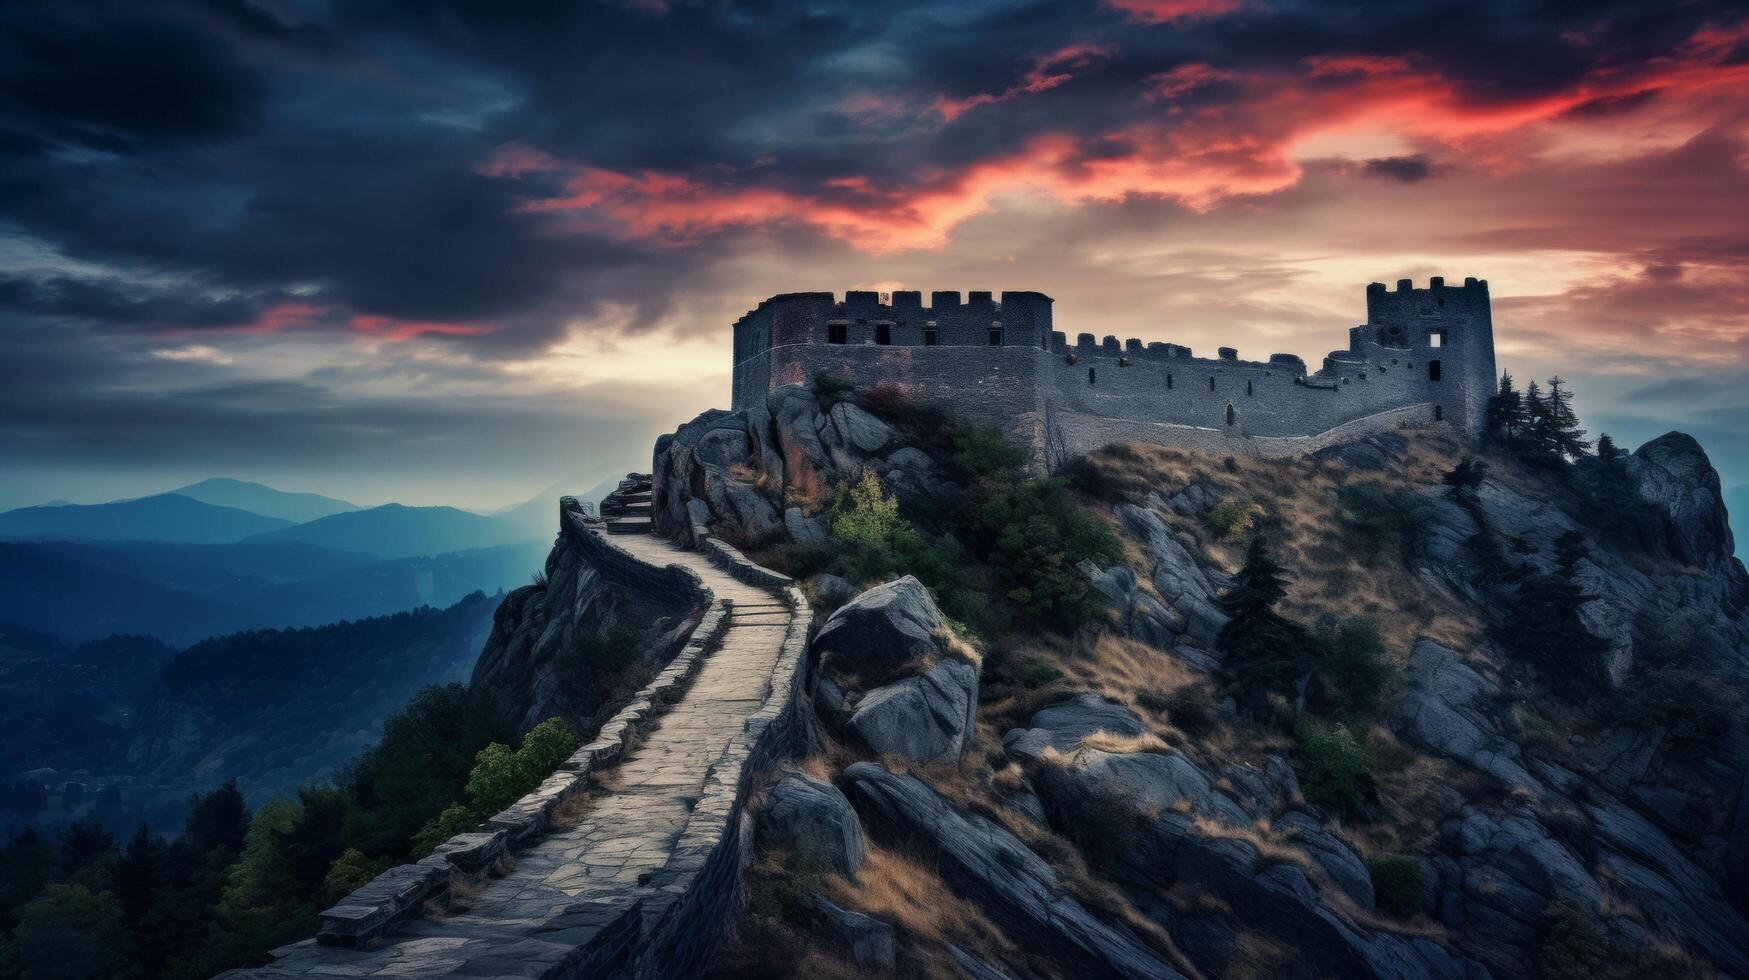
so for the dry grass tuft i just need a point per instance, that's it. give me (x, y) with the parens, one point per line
(897, 887)
(1125, 744)
(958, 648)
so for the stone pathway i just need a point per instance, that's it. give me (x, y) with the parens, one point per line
(564, 886)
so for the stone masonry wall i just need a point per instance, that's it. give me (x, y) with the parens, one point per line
(1424, 356)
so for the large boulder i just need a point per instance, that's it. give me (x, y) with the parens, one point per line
(929, 717)
(871, 943)
(1063, 725)
(1449, 709)
(1673, 474)
(1183, 585)
(1333, 854)
(1085, 786)
(881, 632)
(816, 819)
(983, 858)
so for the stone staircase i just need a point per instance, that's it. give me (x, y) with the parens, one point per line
(627, 509)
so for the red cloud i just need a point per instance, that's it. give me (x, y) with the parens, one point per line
(1047, 72)
(1164, 11)
(391, 328)
(1197, 151)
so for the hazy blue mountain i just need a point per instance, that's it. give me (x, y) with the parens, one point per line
(44, 587)
(384, 587)
(399, 531)
(1737, 503)
(164, 517)
(537, 518)
(264, 500)
(217, 569)
(77, 591)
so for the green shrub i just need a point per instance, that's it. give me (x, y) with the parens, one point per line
(350, 872)
(455, 819)
(1230, 520)
(1030, 531)
(1348, 661)
(502, 776)
(1689, 706)
(1031, 672)
(982, 451)
(1335, 763)
(1396, 883)
(830, 390)
(1388, 517)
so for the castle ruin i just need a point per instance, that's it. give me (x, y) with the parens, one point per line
(1423, 357)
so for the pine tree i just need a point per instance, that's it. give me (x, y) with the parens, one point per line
(1261, 647)
(1606, 448)
(1543, 625)
(218, 820)
(1505, 417)
(1532, 439)
(1566, 440)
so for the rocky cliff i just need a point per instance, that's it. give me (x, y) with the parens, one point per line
(594, 627)
(1110, 800)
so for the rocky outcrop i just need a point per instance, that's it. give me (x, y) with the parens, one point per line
(764, 474)
(881, 632)
(594, 594)
(1009, 879)
(930, 717)
(1189, 594)
(813, 817)
(1673, 474)
(1449, 709)
(891, 675)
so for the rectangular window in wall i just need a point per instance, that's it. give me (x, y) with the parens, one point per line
(838, 333)
(995, 336)
(883, 333)
(1436, 338)
(1433, 370)
(930, 339)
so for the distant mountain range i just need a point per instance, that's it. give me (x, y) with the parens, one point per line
(224, 555)
(399, 531)
(79, 591)
(164, 517)
(266, 501)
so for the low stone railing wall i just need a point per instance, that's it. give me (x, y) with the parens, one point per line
(683, 915)
(620, 566)
(399, 893)
(684, 907)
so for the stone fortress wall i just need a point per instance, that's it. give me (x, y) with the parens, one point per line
(1423, 356)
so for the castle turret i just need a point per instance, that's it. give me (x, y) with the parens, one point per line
(1447, 332)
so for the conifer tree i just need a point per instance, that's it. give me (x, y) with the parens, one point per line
(1543, 626)
(1565, 439)
(1606, 447)
(1505, 416)
(1261, 647)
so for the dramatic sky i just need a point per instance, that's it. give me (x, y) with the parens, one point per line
(451, 250)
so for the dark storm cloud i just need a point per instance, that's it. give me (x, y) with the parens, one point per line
(230, 171)
(265, 148)
(1408, 169)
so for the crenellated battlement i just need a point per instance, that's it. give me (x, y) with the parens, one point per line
(1424, 353)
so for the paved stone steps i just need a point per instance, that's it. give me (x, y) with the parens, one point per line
(562, 890)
